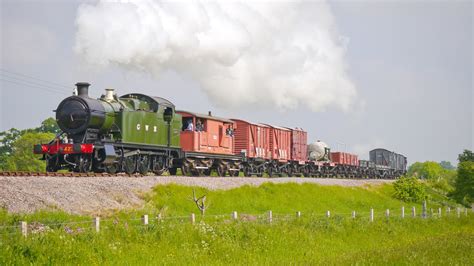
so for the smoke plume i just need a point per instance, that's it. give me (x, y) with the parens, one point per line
(242, 53)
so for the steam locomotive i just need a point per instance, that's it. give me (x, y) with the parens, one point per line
(137, 133)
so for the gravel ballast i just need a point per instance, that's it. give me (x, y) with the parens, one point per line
(94, 195)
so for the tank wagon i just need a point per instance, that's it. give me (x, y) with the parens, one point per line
(137, 133)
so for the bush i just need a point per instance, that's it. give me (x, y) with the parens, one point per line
(409, 189)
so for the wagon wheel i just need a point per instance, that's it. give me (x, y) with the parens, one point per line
(207, 172)
(306, 172)
(270, 171)
(236, 173)
(290, 171)
(185, 169)
(220, 170)
(233, 172)
(143, 165)
(172, 170)
(130, 165)
(111, 169)
(247, 171)
(197, 172)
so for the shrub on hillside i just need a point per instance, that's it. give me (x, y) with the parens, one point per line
(409, 189)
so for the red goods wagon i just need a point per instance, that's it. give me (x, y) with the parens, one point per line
(252, 139)
(344, 158)
(280, 143)
(299, 145)
(209, 134)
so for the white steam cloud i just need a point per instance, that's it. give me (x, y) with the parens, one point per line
(279, 54)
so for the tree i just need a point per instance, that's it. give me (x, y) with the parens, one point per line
(466, 156)
(426, 170)
(464, 185)
(437, 177)
(447, 165)
(10, 137)
(49, 125)
(22, 157)
(7, 138)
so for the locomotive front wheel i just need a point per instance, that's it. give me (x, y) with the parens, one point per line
(85, 165)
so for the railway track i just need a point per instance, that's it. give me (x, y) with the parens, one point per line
(65, 174)
(91, 174)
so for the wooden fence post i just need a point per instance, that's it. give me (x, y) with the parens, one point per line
(387, 213)
(192, 218)
(431, 212)
(270, 216)
(439, 212)
(371, 215)
(423, 211)
(298, 214)
(353, 214)
(458, 210)
(159, 217)
(145, 219)
(97, 224)
(403, 212)
(465, 211)
(24, 228)
(448, 210)
(234, 215)
(413, 211)
(328, 214)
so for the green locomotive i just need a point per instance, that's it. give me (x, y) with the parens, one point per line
(131, 133)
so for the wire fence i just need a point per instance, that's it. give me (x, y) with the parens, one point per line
(96, 224)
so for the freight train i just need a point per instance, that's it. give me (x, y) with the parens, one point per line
(137, 133)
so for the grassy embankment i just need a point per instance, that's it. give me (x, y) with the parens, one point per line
(311, 239)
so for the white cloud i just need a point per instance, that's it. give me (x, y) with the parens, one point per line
(279, 54)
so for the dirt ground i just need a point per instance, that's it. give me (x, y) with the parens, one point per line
(93, 195)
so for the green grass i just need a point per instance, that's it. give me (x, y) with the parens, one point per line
(280, 198)
(312, 239)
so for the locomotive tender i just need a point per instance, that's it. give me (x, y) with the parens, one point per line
(137, 133)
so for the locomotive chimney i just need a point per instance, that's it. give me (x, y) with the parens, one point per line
(209, 113)
(83, 89)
